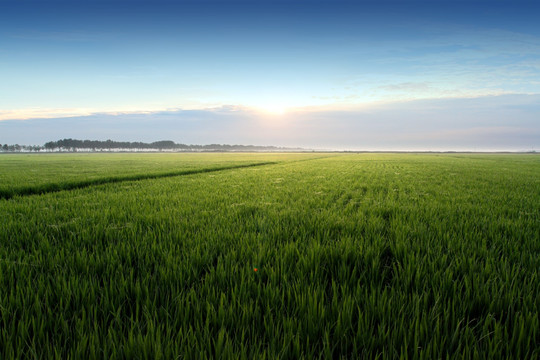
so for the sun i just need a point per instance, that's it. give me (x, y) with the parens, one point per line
(273, 109)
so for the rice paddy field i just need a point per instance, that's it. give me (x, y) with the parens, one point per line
(269, 256)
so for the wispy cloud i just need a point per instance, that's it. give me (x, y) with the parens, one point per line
(39, 113)
(506, 122)
(408, 86)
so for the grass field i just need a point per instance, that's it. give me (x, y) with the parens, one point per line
(153, 256)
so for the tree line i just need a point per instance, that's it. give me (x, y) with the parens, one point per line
(110, 145)
(67, 144)
(19, 148)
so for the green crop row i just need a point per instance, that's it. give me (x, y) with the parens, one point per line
(349, 256)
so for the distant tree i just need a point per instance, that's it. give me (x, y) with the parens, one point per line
(164, 144)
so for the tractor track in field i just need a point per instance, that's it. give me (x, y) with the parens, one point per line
(9, 194)
(56, 187)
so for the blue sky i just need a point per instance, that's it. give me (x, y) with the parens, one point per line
(421, 75)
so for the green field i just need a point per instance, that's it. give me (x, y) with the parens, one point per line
(153, 256)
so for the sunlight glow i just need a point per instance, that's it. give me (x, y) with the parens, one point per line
(273, 109)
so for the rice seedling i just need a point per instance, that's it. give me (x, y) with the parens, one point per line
(338, 256)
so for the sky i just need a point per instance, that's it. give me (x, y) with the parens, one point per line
(347, 75)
